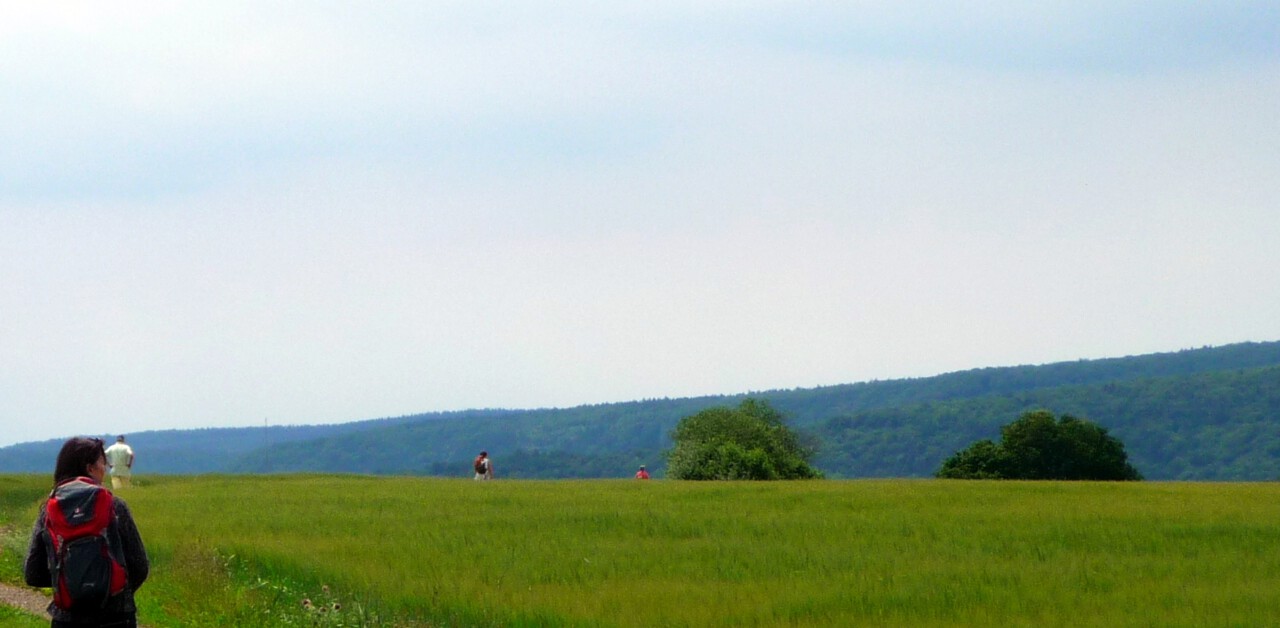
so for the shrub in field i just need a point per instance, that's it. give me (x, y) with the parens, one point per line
(749, 442)
(1038, 447)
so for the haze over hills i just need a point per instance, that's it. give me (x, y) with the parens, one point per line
(1198, 414)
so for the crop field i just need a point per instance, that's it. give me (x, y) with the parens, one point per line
(370, 551)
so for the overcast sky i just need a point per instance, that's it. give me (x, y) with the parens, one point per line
(242, 213)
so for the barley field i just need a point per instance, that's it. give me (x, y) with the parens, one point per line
(372, 551)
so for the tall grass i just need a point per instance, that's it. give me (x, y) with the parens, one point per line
(19, 496)
(246, 550)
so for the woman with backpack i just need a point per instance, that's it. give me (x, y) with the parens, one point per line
(85, 545)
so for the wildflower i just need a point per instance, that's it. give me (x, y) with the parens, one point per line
(336, 607)
(306, 603)
(325, 588)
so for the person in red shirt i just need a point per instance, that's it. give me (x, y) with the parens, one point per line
(642, 474)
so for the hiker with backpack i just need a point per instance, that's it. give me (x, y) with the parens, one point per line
(85, 545)
(483, 466)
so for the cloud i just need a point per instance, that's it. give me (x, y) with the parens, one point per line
(148, 101)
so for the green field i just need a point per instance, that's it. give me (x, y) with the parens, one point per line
(247, 550)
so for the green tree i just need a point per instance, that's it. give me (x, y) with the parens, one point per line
(1038, 447)
(749, 442)
(983, 460)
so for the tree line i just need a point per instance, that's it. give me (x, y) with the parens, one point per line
(1200, 414)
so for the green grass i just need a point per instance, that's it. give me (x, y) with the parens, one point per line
(17, 494)
(12, 618)
(245, 551)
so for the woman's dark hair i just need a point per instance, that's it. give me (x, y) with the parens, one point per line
(76, 456)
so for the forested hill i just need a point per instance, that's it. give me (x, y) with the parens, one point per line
(1218, 425)
(1210, 413)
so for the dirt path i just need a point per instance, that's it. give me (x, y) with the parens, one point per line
(29, 600)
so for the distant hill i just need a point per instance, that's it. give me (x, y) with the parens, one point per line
(1205, 414)
(1217, 425)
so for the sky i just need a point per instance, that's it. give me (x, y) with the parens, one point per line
(229, 213)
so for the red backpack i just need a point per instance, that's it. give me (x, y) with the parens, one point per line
(86, 571)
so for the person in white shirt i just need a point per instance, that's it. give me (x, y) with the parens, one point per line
(120, 461)
(483, 466)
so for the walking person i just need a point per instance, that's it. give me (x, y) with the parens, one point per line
(120, 463)
(483, 466)
(58, 557)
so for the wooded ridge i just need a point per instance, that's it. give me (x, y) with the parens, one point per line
(1199, 414)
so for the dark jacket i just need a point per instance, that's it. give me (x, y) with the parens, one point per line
(122, 533)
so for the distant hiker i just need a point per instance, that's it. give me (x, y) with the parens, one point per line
(642, 474)
(483, 466)
(120, 462)
(85, 545)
